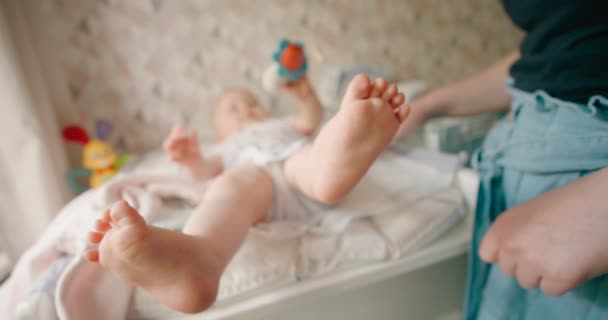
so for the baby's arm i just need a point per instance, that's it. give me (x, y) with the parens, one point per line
(183, 149)
(310, 116)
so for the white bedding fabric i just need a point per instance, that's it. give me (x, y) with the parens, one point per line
(390, 217)
(409, 214)
(262, 266)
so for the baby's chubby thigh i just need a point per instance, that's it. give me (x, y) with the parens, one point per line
(249, 185)
(243, 192)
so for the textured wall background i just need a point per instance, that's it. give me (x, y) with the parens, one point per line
(144, 64)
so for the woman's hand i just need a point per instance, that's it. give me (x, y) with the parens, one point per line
(556, 241)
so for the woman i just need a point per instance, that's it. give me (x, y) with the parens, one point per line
(540, 239)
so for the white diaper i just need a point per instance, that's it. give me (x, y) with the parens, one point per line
(268, 144)
(289, 204)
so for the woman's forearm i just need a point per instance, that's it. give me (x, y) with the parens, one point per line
(480, 93)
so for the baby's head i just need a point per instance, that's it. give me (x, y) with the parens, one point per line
(235, 109)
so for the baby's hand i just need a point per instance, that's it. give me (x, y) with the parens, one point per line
(182, 147)
(301, 89)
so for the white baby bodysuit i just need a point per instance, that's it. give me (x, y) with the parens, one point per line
(263, 142)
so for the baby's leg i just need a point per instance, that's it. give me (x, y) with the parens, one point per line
(182, 270)
(346, 147)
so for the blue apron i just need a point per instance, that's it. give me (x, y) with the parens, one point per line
(547, 143)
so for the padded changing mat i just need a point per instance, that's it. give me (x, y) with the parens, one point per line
(409, 214)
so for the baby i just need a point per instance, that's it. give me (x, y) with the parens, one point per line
(263, 169)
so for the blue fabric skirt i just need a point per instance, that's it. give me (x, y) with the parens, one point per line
(547, 143)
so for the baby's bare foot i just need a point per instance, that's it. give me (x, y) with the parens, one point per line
(173, 267)
(368, 119)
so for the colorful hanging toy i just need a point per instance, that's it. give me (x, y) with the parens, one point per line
(99, 159)
(289, 65)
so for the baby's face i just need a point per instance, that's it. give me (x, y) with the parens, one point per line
(235, 110)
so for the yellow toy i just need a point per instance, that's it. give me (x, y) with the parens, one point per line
(100, 161)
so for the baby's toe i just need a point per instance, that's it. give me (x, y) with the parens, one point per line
(397, 100)
(123, 214)
(359, 88)
(390, 93)
(403, 112)
(379, 88)
(106, 216)
(91, 255)
(95, 237)
(102, 225)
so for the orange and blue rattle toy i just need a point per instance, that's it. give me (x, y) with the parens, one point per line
(289, 64)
